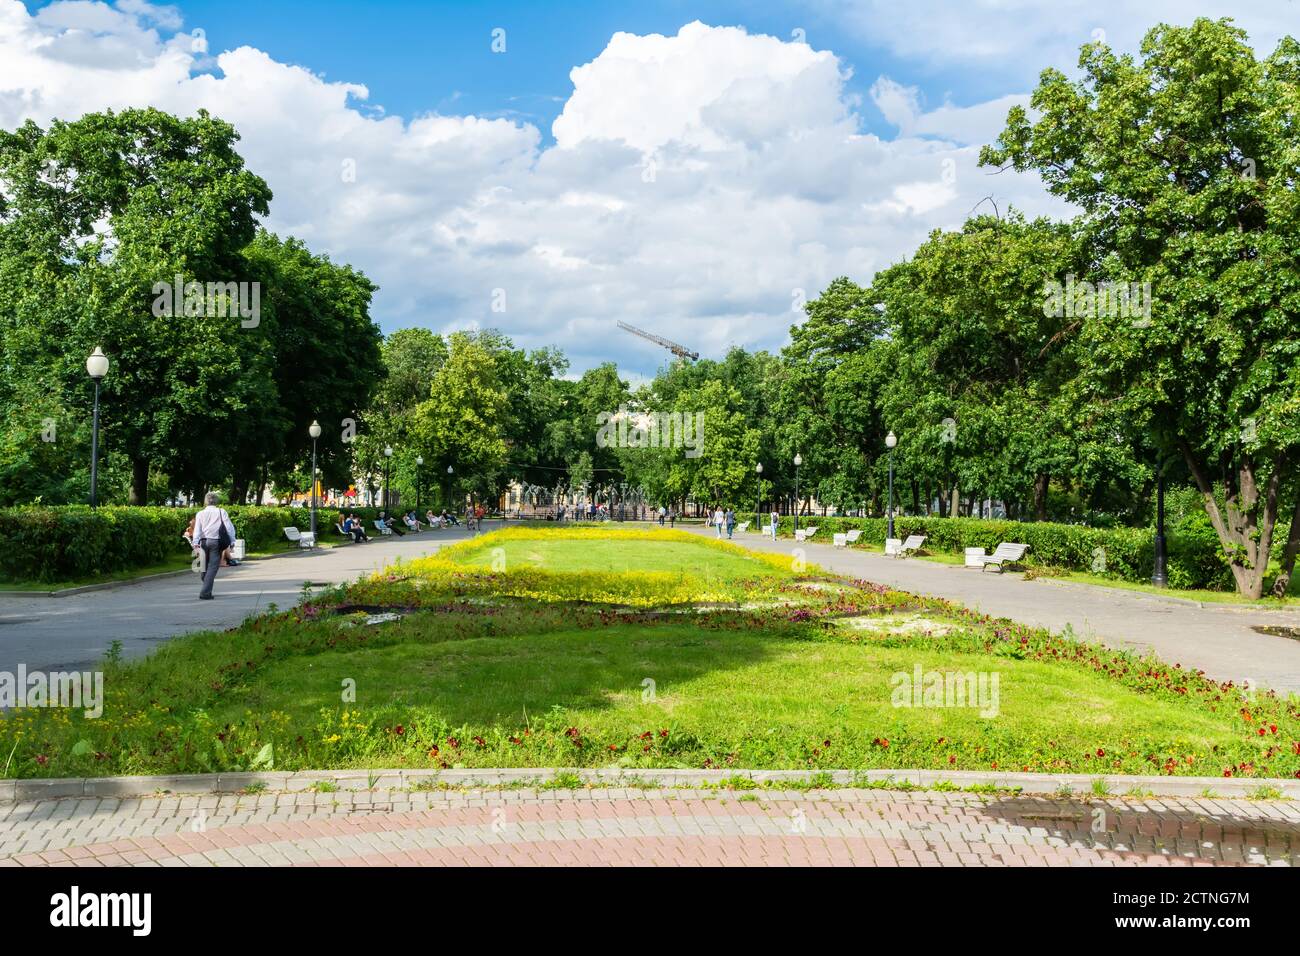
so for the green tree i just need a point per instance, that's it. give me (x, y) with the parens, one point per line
(461, 423)
(1184, 163)
(107, 206)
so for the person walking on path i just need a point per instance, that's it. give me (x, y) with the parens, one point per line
(775, 520)
(213, 533)
(718, 518)
(731, 523)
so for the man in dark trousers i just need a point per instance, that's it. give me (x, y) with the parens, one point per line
(213, 533)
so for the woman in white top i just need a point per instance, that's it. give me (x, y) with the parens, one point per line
(718, 520)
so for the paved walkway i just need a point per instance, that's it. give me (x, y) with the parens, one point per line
(47, 633)
(646, 827)
(1216, 639)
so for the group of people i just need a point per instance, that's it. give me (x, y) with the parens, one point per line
(210, 533)
(399, 525)
(727, 519)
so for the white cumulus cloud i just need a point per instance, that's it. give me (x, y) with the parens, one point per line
(698, 184)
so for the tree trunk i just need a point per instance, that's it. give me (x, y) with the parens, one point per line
(1246, 538)
(916, 498)
(139, 482)
(1283, 581)
(1040, 497)
(954, 509)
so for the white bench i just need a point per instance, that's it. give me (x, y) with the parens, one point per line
(843, 540)
(803, 534)
(740, 528)
(381, 527)
(304, 539)
(1009, 552)
(900, 549)
(975, 557)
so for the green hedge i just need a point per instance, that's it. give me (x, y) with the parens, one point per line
(1196, 559)
(51, 544)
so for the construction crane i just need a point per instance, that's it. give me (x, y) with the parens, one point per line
(681, 351)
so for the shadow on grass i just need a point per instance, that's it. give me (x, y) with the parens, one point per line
(485, 674)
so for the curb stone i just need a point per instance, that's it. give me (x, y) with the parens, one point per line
(16, 791)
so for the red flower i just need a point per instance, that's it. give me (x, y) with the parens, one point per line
(951, 759)
(399, 730)
(1100, 752)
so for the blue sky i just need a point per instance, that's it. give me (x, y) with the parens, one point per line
(418, 57)
(698, 168)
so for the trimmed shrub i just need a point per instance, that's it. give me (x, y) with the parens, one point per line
(72, 542)
(1196, 559)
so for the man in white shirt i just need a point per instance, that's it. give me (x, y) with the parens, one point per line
(207, 539)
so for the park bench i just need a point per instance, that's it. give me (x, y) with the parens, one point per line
(1006, 553)
(381, 527)
(843, 540)
(803, 534)
(740, 528)
(900, 549)
(304, 539)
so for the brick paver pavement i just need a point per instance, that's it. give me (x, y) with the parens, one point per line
(647, 827)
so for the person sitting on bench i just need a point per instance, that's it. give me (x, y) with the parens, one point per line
(351, 525)
(390, 524)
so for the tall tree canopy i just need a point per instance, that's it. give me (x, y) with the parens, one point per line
(1185, 163)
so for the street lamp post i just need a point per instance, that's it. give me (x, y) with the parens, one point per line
(419, 463)
(449, 502)
(798, 460)
(96, 368)
(314, 432)
(890, 441)
(1160, 576)
(758, 497)
(388, 471)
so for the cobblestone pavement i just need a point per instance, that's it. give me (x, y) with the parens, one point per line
(647, 827)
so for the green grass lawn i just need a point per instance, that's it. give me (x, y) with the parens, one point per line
(751, 699)
(520, 666)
